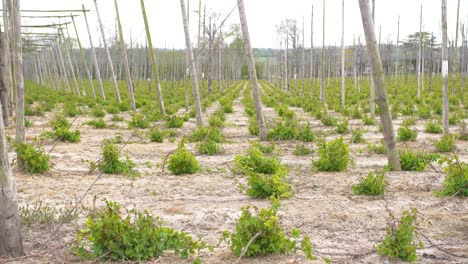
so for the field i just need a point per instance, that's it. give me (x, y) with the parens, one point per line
(342, 226)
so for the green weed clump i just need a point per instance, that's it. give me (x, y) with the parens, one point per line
(416, 161)
(174, 121)
(138, 121)
(305, 133)
(407, 134)
(98, 112)
(399, 241)
(357, 136)
(62, 132)
(333, 155)
(263, 234)
(182, 161)
(377, 148)
(36, 161)
(328, 120)
(283, 130)
(433, 128)
(266, 177)
(373, 184)
(207, 133)
(97, 123)
(112, 164)
(255, 161)
(253, 126)
(410, 121)
(456, 179)
(156, 135)
(208, 147)
(302, 150)
(264, 148)
(342, 127)
(446, 143)
(226, 105)
(137, 236)
(368, 120)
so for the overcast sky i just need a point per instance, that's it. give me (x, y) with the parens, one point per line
(166, 22)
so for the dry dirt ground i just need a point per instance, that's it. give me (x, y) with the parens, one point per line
(342, 226)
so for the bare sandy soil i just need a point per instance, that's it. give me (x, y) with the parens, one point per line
(342, 226)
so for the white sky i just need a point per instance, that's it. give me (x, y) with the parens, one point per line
(166, 22)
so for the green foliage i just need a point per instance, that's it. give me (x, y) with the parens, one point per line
(138, 121)
(357, 136)
(377, 148)
(398, 243)
(226, 105)
(433, 127)
(446, 143)
(208, 147)
(62, 132)
(36, 161)
(182, 161)
(264, 148)
(207, 133)
(265, 235)
(333, 155)
(111, 162)
(117, 118)
(253, 126)
(33, 111)
(156, 135)
(409, 121)
(174, 121)
(255, 161)
(98, 112)
(415, 161)
(456, 179)
(97, 123)
(137, 236)
(342, 127)
(368, 120)
(328, 120)
(215, 121)
(302, 150)
(283, 130)
(43, 214)
(305, 133)
(407, 134)
(269, 185)
(372, 184)
(71, 110)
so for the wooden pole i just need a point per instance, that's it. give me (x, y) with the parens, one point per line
(3, 81)
(397, 57)
(94, 57)
(342, 57)
(109, 59)
(322, 83)
(153, 60)
(420, 54)
(70, 64)
(312, 62)
(385, 116)
(193, 68)
(445, 70)
(83, 58)
(252, 71)
(125, 58)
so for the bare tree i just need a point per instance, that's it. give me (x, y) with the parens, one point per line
(252, 71)
(382, 101)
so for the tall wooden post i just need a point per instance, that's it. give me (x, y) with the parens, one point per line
(252, 71)
(385, 116)
(109, 59)
(125, 58)
(153, 60)
(70, 64)
(83, 58)
(193, 68)
(322, 76)
(312, 62)
(342, 57)
(445, 70)
(94, 57)
(420, 54)
(397, 57)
